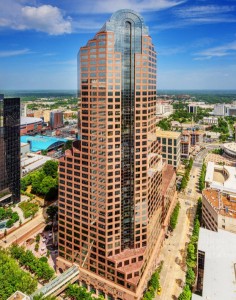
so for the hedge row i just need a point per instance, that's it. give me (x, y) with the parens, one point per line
(153, 285)
(174, 217)
(185, 178)
(202, 178)
(192, 255)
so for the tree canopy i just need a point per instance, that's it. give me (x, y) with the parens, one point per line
(44, 182)
(12, 278)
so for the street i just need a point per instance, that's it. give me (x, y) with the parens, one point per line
(173, 252)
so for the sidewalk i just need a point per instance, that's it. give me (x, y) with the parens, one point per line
(172, 277)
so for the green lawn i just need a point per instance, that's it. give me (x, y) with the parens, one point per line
(29, 209)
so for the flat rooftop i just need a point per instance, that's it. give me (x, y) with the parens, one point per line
(167, 174)
(219, 281)
(18, 296)
(39, 142)
(230, 147)
(220, 203)
(196, 132)
(168, 134)
(228, 184)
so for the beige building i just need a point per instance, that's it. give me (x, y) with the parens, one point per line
(69, 114)
(45, 114)
(170, 142)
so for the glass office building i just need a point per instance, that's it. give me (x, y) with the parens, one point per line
(110, 202)
(9, 150)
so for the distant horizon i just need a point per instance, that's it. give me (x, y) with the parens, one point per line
(46, 93)
(48, 90)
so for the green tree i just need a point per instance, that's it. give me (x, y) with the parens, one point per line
(164, 124)
(42, 297)
(186, 294)
(37, 239)
(190, 277)
(76, 292)
(12, 278)
(52, 212)
(174, 217)
(47, 184)
(44, 152)
(50, 168)
(9, 223)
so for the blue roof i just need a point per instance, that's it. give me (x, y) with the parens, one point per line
(39, 142)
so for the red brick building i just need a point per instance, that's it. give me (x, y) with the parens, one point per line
(30, 125)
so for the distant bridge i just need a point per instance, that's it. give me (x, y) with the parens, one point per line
(59, 284)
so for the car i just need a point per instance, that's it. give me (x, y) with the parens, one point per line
(159, 291)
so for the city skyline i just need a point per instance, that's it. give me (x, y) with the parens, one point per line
(195, 41)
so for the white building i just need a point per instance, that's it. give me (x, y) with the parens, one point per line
(230, 149)
(216, 265)
(210, 120)
(219, 110)
(165, 109)
(224, 109)
(23, 110)
(222, 178)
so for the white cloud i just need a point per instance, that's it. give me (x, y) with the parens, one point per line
(204, 10)
(219, 51)
(14, 52)
(44, 18)
(198, 15)
(108, 6)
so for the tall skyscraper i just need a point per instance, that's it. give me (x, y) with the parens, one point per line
(110, 185)
(9, 150)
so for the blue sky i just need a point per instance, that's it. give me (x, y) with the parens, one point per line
(195, 40)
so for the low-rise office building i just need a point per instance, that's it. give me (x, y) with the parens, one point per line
(42, 114)
(218, 210)
(170, 142)
(223, 109)
(210, 120)
(221, 177)
(196, 137)
(24, 149)
(164, 108)
(185, 144)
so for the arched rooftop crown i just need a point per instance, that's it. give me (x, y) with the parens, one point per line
(122, 15)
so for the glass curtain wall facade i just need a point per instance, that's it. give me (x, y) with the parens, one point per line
(110, 182)
(9, 150)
